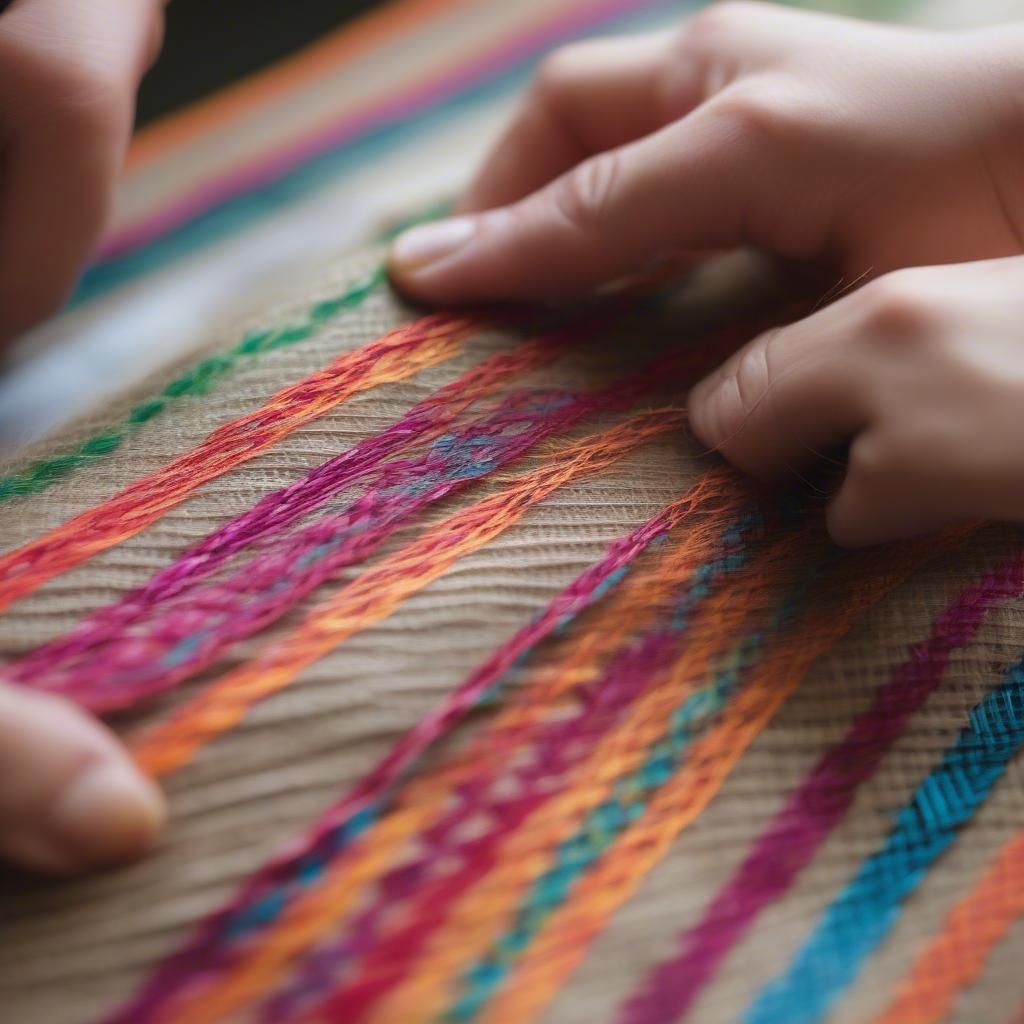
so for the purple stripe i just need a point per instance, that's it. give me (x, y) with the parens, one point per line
(210, 947)
(791, 841)
(281, 509)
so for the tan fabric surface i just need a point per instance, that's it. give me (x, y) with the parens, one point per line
(70, 950)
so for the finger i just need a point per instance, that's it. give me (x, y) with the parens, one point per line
(68, 75)
(884, 497)
(689, 186)
(601, 94)
(587, 98)
(71, 798)
(784, 399)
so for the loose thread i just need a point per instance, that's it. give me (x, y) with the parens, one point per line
(956, 956)
(810, 814)
(396, 356)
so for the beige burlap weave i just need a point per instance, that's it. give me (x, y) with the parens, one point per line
(71, 950)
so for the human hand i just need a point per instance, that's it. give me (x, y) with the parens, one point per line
(921, 371)
(809, 136)
(69, 71)
(71, 799)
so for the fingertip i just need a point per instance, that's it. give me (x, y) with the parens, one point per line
(71, 798)
(108, 814)
(853, 519)
(425, 260)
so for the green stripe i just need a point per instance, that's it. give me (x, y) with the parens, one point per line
(199, 379)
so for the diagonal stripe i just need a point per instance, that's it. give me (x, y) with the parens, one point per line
(864, 912)
(554, 753)
(793, 838)
(299, 868)
(563, 942)
(68, 664)
(198, 379)
(472, 923)
(365, 600)
(378, 591)
(396, 356)
(217, 111)
(956, 956)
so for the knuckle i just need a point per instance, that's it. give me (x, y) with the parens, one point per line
(897, 307)
(764, 111)
(718, 21)
(583, 195)
(558, 69)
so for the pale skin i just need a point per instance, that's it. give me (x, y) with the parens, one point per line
(894, 156)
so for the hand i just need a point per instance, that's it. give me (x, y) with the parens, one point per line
(922, 371)
(815, 138)
(69, 70)
(70, 796)
(71, 799)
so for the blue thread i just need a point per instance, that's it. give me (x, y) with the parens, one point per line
(599, 831)
(308, 871)
(863, 913)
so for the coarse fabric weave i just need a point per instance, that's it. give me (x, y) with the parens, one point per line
(71, 952)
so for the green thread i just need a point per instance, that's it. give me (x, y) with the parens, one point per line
(203, 376)
(200, 379)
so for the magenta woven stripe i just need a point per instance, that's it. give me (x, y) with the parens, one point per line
(217, 938)
(793, 838)
(281, 509)
(184, 636)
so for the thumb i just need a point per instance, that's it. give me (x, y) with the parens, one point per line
(683, 188)
(71, 798)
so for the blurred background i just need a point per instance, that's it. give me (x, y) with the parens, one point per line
(277, 135)
(210, 44)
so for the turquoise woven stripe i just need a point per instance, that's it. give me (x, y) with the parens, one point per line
(865, 911)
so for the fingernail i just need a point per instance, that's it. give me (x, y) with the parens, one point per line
(428, 243)
(107, 813)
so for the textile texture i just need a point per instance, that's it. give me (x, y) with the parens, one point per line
(481, 693)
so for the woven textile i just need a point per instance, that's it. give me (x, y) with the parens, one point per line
(481, 694)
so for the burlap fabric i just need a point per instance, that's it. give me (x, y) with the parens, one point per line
(71, 950)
